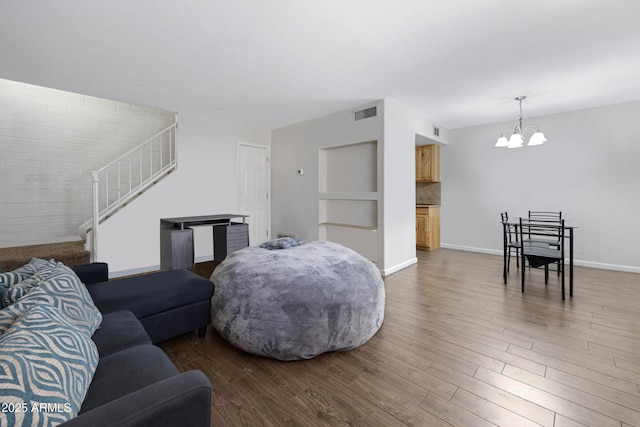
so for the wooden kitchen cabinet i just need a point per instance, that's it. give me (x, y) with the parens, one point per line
(428, 163)
(428, 227)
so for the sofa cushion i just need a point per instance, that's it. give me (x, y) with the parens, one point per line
(119, 330)
(126, 371)
(46, 366)
(151, 293)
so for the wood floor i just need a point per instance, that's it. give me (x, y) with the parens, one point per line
(457, 347)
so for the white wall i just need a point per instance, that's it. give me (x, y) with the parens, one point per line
(205, 183)
(588, 169)
(400, 128)
(294, 203)
(50, 141)
(295, 198)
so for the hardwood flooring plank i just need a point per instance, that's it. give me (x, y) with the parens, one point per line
(500, 397)
(562, 421)
(394, 404)
(592, 387)
(546, 399)
(266, 399)
(418, 376)
(633, 357)
(489, 411)
(594, 373)
(431, 352)
(452, 413)
(597, 362)
(580, 397)
(627, 366)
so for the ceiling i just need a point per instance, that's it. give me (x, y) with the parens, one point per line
(272, 63)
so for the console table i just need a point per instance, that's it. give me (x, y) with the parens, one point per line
(176, 238)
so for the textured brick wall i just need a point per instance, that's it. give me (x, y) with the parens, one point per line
(50, 141)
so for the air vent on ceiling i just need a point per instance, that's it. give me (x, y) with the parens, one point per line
(436, 131)
(366, 113)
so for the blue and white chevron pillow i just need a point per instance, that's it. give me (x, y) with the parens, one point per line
(63, 290)
(17, 290)
(18, 276)
(46, 367)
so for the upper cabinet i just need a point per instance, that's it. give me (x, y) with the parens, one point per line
(428, 163)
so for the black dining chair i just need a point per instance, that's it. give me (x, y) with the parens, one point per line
(551, 217)
(542, 245)
(545, 216)
(511, 241)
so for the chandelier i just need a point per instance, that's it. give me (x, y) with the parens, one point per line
(516, 139)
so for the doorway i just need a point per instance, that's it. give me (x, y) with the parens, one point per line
(254, 190)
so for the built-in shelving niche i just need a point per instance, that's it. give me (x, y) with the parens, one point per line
(348, 197)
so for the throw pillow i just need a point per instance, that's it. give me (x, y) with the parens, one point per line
(64, 290)
(24, 272)
(47, 366)
(282, 243)
(16, 291)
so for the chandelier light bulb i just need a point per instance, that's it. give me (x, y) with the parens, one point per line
(515, 141)
(502, 142)
(537, 139)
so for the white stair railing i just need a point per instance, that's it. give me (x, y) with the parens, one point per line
(128, 176)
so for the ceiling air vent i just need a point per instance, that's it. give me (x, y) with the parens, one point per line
(436, 131)
(366, 113)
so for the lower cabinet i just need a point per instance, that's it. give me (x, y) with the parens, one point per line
(428, 227)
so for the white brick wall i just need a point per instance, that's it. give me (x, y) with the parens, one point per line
(50, 141)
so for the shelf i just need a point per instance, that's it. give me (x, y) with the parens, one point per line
(366, 195)
(358, 227)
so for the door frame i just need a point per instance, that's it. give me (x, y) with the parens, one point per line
(238, 171)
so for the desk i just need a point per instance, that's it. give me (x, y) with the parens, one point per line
(176, 238)
(568, 234)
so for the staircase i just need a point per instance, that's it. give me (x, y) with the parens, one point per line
(121, 181)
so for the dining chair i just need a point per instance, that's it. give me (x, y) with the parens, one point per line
(511, 242)
(545, 216)
(539, 247)
(551, 217)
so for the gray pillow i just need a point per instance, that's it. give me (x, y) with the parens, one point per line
(282, 243)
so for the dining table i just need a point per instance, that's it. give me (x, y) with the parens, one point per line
(568, 234)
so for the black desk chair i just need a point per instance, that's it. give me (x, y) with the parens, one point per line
(542, 244)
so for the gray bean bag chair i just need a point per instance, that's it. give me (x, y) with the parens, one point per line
(297, 302)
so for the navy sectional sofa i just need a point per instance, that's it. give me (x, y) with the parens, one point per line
(135, 383)
(78, 349)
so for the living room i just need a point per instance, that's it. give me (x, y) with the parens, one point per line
(587, 168)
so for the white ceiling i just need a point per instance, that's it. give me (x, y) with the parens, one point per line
(271, 63)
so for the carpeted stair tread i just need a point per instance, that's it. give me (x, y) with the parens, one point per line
(69, 253)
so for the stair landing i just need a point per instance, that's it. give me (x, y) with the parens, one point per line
(68, 253)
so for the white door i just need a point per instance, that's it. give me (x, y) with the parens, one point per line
(253, 167)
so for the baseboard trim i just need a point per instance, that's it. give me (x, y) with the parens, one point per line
(581, 263)
(401, 266)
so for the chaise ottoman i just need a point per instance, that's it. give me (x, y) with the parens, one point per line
(167, 303)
